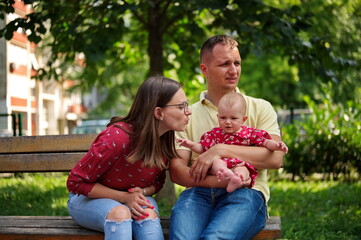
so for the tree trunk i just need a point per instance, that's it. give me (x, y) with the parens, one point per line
(155, 51)
(155, 40)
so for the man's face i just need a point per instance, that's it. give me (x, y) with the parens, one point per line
(222, 67)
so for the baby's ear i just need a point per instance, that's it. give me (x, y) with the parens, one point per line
(245, 118)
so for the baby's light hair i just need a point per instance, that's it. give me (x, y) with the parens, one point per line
(233, 99)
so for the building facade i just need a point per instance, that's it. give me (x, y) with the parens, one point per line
(34, 107)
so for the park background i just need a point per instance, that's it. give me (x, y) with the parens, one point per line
(296, 54)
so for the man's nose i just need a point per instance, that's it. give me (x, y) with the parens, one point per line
(232, 68)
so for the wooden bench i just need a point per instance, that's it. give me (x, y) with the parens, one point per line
(59, 154)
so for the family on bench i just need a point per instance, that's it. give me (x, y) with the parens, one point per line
(225, 174)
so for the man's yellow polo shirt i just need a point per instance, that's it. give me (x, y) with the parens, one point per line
(261, 115)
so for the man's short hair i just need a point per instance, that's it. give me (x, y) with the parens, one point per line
(209, 44)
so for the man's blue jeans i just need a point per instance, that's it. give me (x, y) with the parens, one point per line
(212, 213)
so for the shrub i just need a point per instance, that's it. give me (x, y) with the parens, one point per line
(328, 141)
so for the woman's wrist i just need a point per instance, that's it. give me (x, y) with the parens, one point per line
(121, 196)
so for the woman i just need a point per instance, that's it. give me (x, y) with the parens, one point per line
(112, 185)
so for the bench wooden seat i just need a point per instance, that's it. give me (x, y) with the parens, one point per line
(64, 227)
(59, 154)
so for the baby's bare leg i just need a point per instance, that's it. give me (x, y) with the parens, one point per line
(220, 169)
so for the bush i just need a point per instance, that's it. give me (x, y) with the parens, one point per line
(327, 142)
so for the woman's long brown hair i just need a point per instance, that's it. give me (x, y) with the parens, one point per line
(156, 91)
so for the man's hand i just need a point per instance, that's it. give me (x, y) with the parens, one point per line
(203, 162)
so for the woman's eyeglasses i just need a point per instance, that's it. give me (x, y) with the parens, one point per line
(183, 105)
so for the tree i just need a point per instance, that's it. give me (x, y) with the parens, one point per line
(114, 36)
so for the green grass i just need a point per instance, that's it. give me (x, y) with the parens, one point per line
(33, 195)
(309, 210)
(317, 210)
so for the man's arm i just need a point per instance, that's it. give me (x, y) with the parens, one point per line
(179, 173)
(259, 157)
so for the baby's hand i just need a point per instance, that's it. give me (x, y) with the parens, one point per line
(283, 147)
(275, 146)
(184, 142)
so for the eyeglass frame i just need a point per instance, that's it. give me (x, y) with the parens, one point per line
(185, 105)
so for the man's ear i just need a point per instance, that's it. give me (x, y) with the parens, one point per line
(203, 68)
(158, 113)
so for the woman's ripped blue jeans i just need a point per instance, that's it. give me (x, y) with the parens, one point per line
(91, 213)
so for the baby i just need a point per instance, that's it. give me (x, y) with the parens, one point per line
(231, 117)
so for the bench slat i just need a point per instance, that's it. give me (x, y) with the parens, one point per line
(64, 227)
(49, 143)
(39, 162)
(49, 237)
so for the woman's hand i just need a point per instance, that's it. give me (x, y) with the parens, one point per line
(134, 200)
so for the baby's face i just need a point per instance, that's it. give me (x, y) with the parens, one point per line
(230, 119)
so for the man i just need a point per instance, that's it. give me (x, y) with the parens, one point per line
(206, 210)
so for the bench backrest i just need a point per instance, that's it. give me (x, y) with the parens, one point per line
(52, 153)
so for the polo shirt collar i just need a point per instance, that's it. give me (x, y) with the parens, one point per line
(205, 101)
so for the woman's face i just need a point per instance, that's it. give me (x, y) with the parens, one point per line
(174, 116)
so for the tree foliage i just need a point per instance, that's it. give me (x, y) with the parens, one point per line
(329, 43)
(118, 43)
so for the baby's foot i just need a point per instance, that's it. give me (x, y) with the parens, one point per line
(234, 183)
(224, 174)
